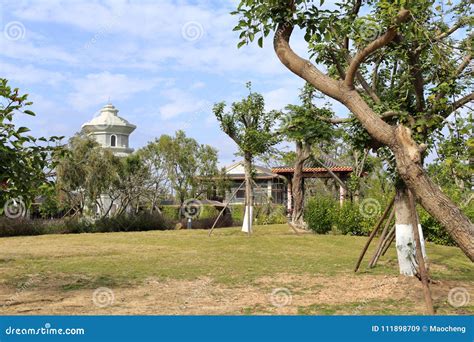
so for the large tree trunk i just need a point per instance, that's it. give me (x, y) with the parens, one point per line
(247, 224)
(405, 239)
(398, 139)
(302, 154)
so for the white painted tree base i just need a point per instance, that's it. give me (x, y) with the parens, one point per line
(247, 224)
(406, 248)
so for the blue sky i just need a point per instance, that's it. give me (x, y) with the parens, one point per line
(163, 64)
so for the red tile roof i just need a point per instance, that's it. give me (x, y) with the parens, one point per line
(312, 169)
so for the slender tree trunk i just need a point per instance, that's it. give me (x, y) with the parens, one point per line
(356, 195)
(404, 234)
(248, 192)
(302, 154)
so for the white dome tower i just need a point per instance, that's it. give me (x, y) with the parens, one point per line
(111, 131)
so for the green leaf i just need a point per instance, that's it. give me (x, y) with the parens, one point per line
(23, 130)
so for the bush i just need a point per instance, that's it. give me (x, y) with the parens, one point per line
(348, 219)
(206, 223)
(170, 212)
(20, 227)
(237, 211)
(132, 223)
(209, 211)
(433, 231)
(319, 214)
(270, 214)
(123, 223)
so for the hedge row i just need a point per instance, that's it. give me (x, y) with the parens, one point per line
(168, 219)
(325, 215)
(264, 214)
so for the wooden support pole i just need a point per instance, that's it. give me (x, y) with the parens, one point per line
(374, 231)
(389, 242)
(225, 207)
(378, 250)
(419, 256)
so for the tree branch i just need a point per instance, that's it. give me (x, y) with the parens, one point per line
(353, 13)
(453, 29)
(460, 103)
(300, 66)
(336, 121)
(372, 47)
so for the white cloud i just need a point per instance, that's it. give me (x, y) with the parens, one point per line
(181, 102)
(29, 74)
(95, 89)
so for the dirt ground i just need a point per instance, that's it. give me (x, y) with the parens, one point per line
(282, 294)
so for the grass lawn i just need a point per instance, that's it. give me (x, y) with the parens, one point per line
(186, 272)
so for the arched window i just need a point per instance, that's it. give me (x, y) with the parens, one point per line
(113, 140)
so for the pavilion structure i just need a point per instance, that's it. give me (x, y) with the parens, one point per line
(342, 172)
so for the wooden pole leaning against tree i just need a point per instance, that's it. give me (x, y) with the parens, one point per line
(420, 258)
(385, 244)
(389, 242)
(225, 207)
(374, 231)
(382, 238)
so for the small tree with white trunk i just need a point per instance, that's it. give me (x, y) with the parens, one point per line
(250, 127)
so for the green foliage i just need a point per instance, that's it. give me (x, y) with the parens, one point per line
(433, 231)
(263, 214)
(319, 214)
(189, 166)
(208, 211)
(237, 211)
(121, 223)
(248, 124)
(129, 223)
(87, 171)
(301, 122)
(25, 160)
(24, 227)
(324, 214)
(348, 219)
(171, 212)
(270, 214)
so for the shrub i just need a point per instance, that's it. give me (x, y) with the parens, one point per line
(433, 231)
(209, 211)
(130, 223)
(206, 223)
(237, 211)
(348, 219)
(170, 212)
(274, 214)
(319, 214)
(20, 227)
